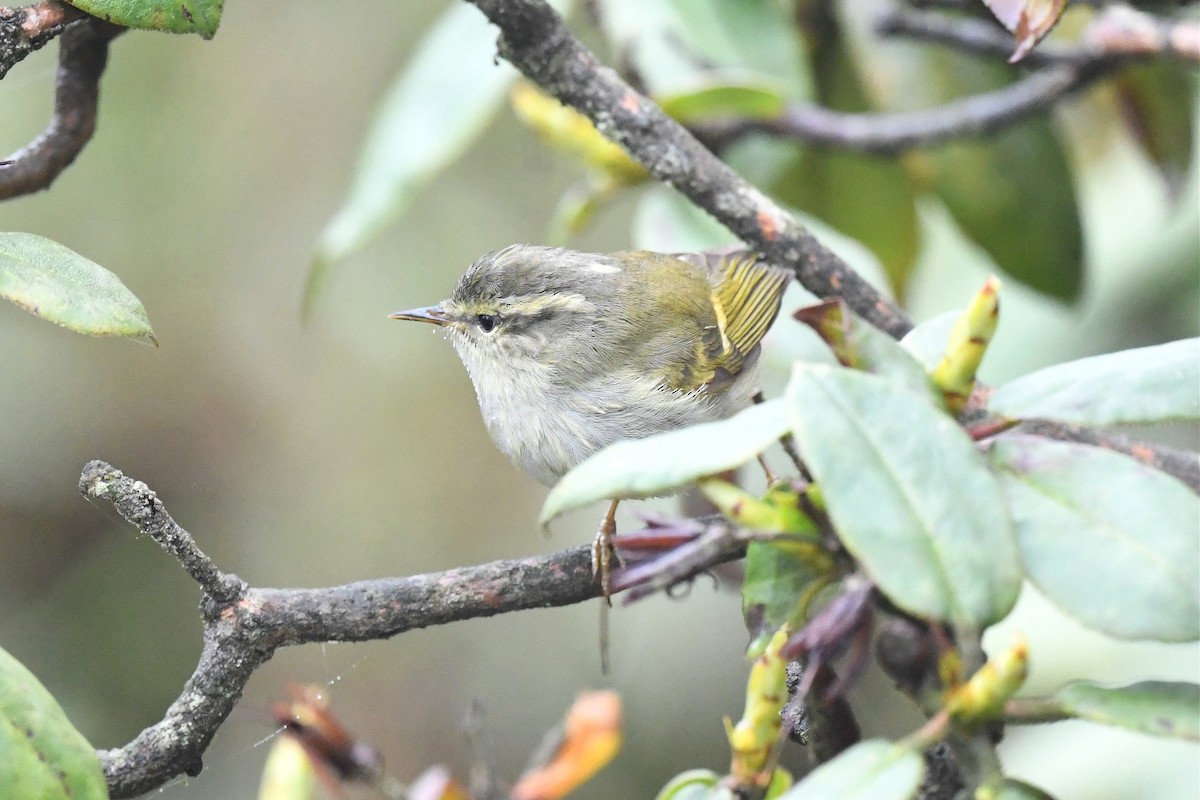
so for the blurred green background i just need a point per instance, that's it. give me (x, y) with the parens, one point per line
(352, 448)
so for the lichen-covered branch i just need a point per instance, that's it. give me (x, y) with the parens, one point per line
(26, 29)
(243, 625)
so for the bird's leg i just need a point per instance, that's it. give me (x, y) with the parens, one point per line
(762, 462)
(602, 551)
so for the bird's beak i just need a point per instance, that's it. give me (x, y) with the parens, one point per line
(433, 314)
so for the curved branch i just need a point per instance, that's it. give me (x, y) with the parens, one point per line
(244, 628)
(883, 133)
(535, 40)
(82, 56)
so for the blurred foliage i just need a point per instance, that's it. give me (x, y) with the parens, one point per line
(232, 420)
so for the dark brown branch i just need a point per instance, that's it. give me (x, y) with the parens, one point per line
(26, 29)
(537, 42)
(243, 631)
(81, 60)
(886, 133)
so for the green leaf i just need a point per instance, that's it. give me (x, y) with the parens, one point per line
(673, 43)
(55, 283)
(776, 578)
(1149, 384)
(41, 754)
(173, 16)
(1158, 101)
(1159, 708)
(1112, 542)
(437, 107)
(860, 345)
(908, 494)
(1013, 789)
(667, 462)
(724, 96)
(695, 784)
(870, 770)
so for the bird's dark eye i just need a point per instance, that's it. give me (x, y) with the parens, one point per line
(487, 322)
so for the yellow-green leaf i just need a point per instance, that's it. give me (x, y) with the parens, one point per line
(42, 755)
(173, 16)
(51, 281)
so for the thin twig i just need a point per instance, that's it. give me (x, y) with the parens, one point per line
(535, 40)
(883, 133)
(141, 507)
(83, 53)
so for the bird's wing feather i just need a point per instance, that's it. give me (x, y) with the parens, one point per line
(746, 294)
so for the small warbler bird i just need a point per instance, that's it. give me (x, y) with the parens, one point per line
(570, 352)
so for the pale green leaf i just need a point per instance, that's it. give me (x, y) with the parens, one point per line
(42, 755)
(437, 107)
(695, 784)
(173, 16)
(1160, 708)
(51, 281)
(909, 495)
(1148, 384)
(870, 770)
(667, 462)
(775, 578)
(1013, 789)
(1112, 542)
(859, 345)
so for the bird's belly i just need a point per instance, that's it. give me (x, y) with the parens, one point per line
(548, 435)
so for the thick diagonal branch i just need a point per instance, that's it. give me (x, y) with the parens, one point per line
(537, 42)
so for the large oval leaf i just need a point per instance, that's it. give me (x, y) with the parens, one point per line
(173, 16)
(871, 770)
(1111, 541)
(665, 463)
(41, 754)
(908, 494)
(436, 108)
(1160, 708)
(51, 281)
(1148, 384)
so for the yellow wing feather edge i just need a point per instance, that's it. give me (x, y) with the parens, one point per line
(746, 296)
